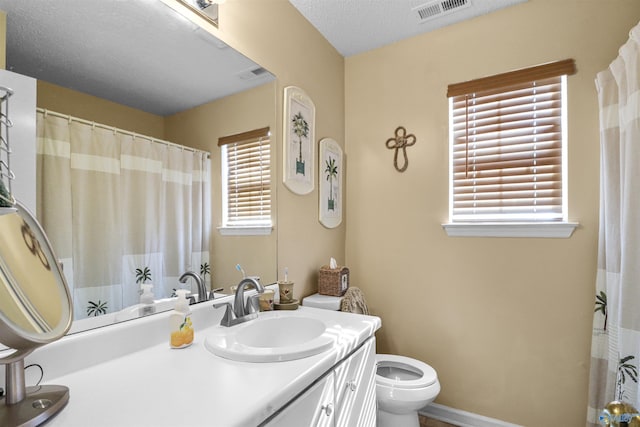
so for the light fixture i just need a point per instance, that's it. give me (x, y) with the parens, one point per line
(206, 8)
(203, 4)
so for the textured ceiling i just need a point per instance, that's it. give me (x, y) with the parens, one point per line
(356, 26)
(139, 53)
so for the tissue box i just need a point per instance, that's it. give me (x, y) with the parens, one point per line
(334, 282)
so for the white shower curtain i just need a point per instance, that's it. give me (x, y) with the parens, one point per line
(615, 350)
(120, 210)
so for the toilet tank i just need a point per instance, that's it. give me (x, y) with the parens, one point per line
(326, 302)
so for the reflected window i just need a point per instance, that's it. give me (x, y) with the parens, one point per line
(246, 180)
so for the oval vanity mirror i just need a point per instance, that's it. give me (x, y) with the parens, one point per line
(35, 309)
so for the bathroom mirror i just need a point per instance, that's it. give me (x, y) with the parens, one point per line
(158, 62)
(35, 309)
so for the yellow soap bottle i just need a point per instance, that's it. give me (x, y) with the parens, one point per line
(180, 322)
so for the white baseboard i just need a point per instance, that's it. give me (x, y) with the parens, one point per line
(461, 418)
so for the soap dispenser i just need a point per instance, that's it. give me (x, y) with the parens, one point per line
(180, 322)
(146, 299)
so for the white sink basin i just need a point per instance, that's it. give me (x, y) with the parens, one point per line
(275, 336)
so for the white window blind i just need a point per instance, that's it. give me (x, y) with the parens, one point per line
(507, 146)
(246, 179)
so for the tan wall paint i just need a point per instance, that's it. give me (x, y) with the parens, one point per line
(505, 322)
(276, 36)
(62, 100)
(200, 128)
(3, 40)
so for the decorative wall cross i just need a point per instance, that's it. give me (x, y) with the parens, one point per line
(400, 142)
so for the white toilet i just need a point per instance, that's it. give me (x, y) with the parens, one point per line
(403, 385)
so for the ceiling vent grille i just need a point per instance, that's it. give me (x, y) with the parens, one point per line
(253, 73)
(439, 8)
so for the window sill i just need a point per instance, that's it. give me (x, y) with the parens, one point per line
(561, 230)
(246, 231)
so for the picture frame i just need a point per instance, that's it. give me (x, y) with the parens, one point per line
(331, 172)
(298, 144)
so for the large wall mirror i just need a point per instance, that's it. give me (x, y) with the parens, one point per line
(150, 74)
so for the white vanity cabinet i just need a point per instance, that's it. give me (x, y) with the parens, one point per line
(344, 397)
(315, 407)
(356, 388)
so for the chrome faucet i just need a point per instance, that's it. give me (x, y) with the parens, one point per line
(252, 305)
(202, 291)
(240, 312)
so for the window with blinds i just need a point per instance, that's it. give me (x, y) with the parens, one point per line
(246, 179)
(508, 150)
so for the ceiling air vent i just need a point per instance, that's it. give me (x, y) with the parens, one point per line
(253, 73)
(439, 8)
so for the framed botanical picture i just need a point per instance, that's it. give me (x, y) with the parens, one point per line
(298, 141)
(331, 170)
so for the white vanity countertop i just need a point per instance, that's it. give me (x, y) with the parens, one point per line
(126, 374)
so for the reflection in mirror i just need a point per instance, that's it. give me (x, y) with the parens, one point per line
(35, 309)
(157, 77)
(122, 211)
(34, 299)
(153, 59)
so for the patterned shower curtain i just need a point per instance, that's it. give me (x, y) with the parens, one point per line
(616, 325)
(120, 210)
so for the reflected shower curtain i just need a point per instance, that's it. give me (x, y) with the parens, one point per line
(120, 210)
(615, 352)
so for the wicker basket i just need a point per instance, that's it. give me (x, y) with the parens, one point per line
(334, 282)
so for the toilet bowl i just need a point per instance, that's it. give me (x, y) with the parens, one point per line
(403, 385)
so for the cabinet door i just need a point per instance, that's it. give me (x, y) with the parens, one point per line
(315, 407)
(356, 388)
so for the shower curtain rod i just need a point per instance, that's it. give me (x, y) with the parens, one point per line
(122, 131)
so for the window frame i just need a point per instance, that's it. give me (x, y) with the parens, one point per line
(561, 228)
(236, 227)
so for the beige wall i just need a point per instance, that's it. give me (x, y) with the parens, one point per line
(276, 36)
(3, 40)
(200, 128)
(88, 107)
(505, 322)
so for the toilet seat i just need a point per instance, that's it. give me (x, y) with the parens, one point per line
(416, 374)
(402, 400)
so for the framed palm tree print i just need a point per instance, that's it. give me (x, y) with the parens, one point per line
(331, 170)
(298, 141)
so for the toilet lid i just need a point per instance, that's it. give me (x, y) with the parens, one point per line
(400, 371)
